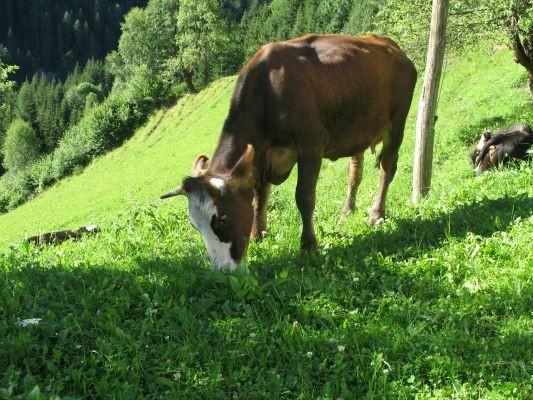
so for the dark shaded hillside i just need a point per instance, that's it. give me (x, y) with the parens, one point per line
(52, 35)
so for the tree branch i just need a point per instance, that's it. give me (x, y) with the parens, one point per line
(520, 54)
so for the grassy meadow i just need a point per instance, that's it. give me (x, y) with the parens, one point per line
(435, 303)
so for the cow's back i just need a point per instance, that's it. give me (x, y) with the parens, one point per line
(352, 86)
(340, 66)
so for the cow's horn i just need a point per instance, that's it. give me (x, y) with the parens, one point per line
(175, 192)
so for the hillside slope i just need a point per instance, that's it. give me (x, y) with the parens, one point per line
(477, 93)
(151, 162)
(435, 303)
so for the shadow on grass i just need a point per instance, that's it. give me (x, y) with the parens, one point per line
(412, 236)
(470, 134)
(402, 327)
(414, 316)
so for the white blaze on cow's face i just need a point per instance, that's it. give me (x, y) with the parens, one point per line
(220, 184)
(202, 213)
(485, 137)
(220, 208)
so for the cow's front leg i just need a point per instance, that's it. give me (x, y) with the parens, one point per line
(259, 227)
(308, 171)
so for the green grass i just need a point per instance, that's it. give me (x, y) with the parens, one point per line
(139, 171)
(435, 303)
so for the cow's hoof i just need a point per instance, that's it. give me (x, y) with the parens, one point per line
(345, 214)
(309, 245)
(258, 236)
(376, 222)
(375, 218)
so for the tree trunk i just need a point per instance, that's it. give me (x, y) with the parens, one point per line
(187, 78)
(523, 53)
(428, 101)
(206, 73)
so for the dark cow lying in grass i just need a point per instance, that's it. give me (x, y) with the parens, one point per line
(495, 149)
(299, 101)
(61, 236)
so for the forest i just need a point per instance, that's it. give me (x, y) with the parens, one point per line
(50, 37)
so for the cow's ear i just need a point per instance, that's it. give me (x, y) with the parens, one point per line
(487, 135)
(200, 165)
(242, 173)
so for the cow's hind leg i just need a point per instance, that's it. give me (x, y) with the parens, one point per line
(259, 227)
(388, 163)
(355, 175)
(309, 163)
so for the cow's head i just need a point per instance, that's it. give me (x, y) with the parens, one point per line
(220, 208)
(485, 137)
(490, 158)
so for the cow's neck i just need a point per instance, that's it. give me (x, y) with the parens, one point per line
(232, 144)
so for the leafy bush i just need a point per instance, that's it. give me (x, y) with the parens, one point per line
(90, 101)
(5, 83)
(21, 146)
(102, 128)
(148, 39)
(76, 99)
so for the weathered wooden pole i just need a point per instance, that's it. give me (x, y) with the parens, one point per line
(428, 101)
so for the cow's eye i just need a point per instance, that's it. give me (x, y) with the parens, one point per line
(222, 220)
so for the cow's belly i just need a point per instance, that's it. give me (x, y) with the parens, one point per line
(353, 139)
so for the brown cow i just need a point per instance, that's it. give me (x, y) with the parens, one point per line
(299, 101)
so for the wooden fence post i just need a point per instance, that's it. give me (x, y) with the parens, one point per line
(428, 101)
